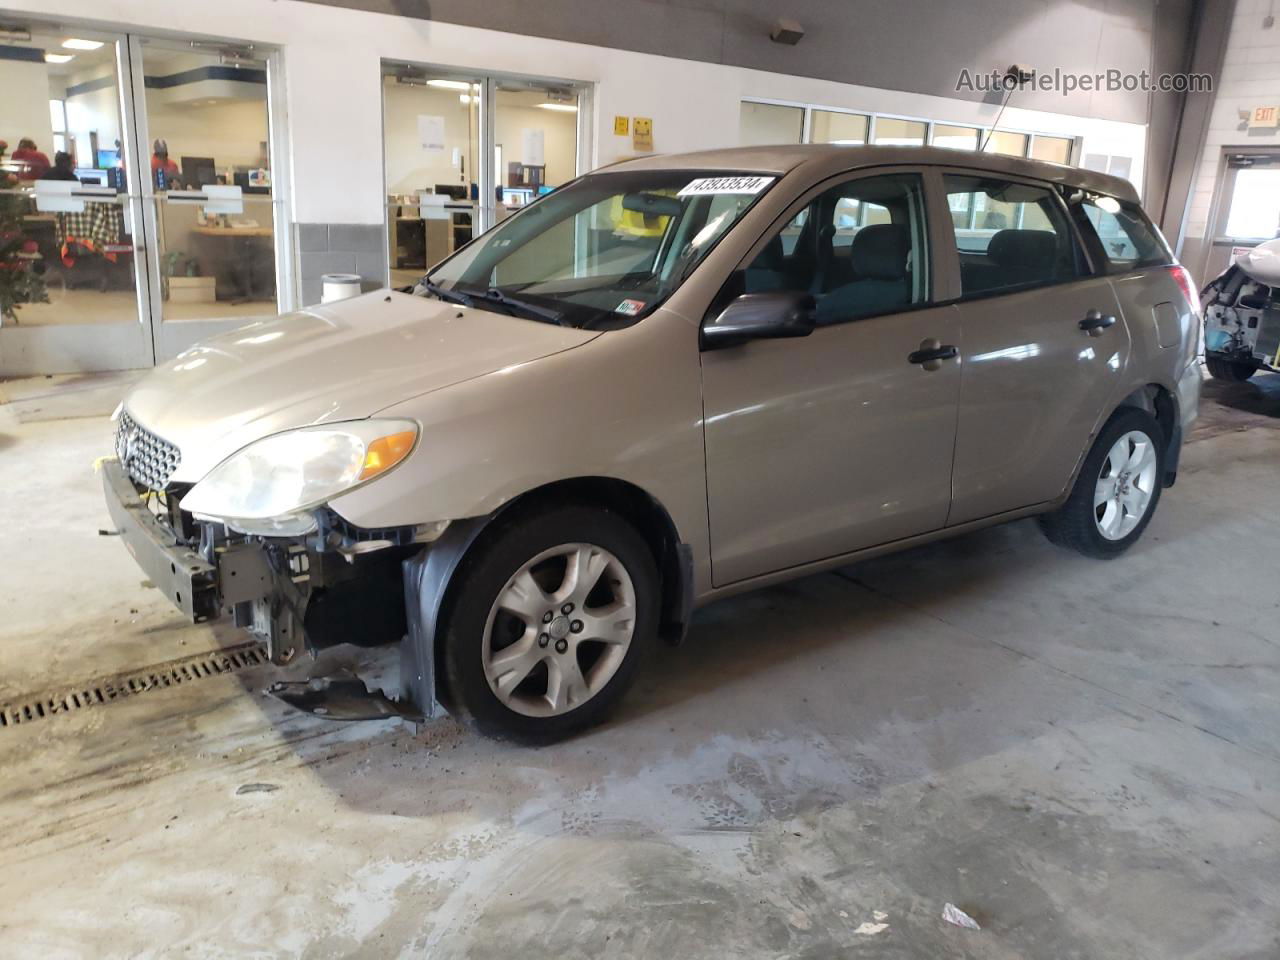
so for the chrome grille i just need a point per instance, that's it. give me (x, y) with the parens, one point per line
(148, 459)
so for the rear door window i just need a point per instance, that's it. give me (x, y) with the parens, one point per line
(1009, 235)
(1128, 240)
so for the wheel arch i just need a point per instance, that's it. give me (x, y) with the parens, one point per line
(1162, 403)
(673, 557)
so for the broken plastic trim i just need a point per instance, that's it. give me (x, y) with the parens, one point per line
(342, 698)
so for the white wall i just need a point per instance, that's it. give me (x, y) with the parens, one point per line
(409, 166)
(24, 104)
(1250, 78)
(559, 135)
(333, 88)
(230, 132)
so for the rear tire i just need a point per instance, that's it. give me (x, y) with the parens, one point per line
(1117, 490)
(549, 623)
(1233, 371)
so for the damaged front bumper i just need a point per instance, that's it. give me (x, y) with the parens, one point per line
(291, 593)
(175, 569)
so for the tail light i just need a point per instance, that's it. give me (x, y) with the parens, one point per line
(1188, 287)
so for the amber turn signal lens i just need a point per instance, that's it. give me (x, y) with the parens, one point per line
(385, 452)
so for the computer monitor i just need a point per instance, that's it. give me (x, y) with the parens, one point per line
(240, 178)
(198, 172)
(455, 191)
(107, 159)
(91, 175)
(516, 196)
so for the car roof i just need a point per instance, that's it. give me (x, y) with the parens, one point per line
(826, 159)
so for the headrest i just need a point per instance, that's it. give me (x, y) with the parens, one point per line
(879, 251)
(773, 256)
(1024, 248)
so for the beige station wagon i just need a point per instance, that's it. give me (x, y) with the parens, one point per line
(669, 381)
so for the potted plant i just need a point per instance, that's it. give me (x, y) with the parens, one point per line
(182, 281)
(21, 271)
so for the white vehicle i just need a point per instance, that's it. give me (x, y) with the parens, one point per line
(1242, 315)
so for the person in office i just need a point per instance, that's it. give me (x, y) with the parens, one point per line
(164, 172)
(34, 163)
(63, 168)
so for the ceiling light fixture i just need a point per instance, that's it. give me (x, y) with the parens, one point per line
(565, 107)
(15, 34)
(76, 43)
(59, 57)
(450, 84)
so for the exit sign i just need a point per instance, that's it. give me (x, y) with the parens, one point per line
(1266, 118)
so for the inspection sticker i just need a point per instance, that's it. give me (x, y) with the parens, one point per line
(718, 185)
(629, 307)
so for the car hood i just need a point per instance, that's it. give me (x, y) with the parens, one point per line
(1262, 263)
(343, 361)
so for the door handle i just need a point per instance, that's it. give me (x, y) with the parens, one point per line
(932, 353)
(1095, 321)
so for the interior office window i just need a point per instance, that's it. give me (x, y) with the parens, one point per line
(853, 267)
(900, 133)
(761, 124)
(831, 126)
(1129, 240)
(1053, 149)
(1016, 236)
(1010, 144)
(955, 138)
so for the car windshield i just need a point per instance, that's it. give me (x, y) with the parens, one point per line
(601, 252)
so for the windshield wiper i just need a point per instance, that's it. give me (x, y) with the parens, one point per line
(494, 295)
(445, 294)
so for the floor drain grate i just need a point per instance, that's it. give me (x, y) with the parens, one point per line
(159, 676)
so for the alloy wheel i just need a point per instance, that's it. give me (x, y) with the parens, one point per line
(1125, 485)
(559, 630)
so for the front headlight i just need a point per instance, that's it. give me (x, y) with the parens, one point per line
(277, 478)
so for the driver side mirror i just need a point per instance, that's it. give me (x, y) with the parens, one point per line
(761, 316)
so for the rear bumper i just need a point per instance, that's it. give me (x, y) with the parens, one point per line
(182, 575)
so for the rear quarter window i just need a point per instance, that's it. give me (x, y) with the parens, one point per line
(1126, 238)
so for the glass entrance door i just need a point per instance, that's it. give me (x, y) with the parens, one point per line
(72, 260)
(1247, 208)
(465, 151)
(203, 125)
(431, 138)
(138, 212)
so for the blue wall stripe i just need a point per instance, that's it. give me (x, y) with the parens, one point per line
(175, 79)
(28, 54)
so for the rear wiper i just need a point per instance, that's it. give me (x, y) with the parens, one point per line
(445, 294)
(494, 295)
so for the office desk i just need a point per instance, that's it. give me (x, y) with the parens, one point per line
(423, 242)
(244, 266)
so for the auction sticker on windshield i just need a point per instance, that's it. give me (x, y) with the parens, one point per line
(718, 185)
(629, 307)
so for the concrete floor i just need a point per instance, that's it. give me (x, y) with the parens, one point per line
(1085, 756)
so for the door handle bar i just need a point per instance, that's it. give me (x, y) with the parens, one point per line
(932, 355)
(1095, 321)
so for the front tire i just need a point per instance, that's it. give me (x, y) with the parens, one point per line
(1233, 371)
(1116, 492)
(549, 623)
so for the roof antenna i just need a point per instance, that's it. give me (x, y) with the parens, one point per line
(1014, 77)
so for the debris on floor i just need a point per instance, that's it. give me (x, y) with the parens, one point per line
(871, 928)
(953, 914)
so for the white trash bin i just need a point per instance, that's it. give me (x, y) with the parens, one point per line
(339, 286)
